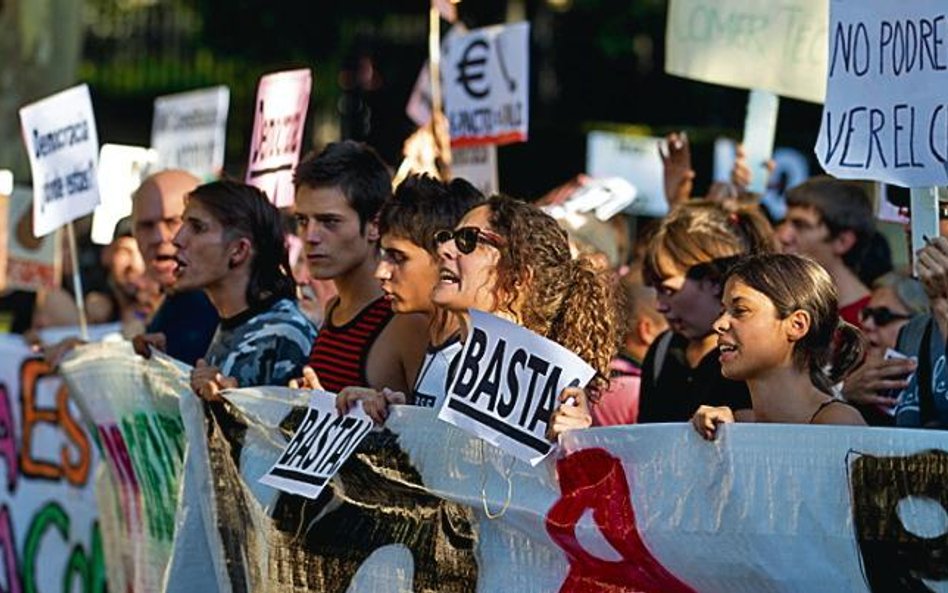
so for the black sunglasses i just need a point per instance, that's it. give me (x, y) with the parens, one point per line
(881, 316)
(466, 238)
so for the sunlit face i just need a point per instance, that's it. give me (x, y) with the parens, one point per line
(803, 232)
(335, 244)
(408, 274)
(882, 336)
(751, 338)
(466, 280)
(689, 306)
(203, 255)
(156, 216)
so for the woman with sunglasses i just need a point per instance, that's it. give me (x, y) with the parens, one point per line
(875, 385)
(511, 259)
(782, 333)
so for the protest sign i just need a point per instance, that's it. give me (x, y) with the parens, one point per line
(279, 119)
(49, 528)
(885, 116)
(189, 130)
(508, 383)
(635, 159)
(487, 85)
(322, 443)
(121, 170)
(760, 127)
(32, 263)
(750, 44)
(418, 108)
(63, 147)
(477, 164)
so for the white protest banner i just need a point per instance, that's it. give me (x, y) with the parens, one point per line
(885, 116)
(635, 159)
(508, 383)
(63, 147)
(121, 170)
(487, 85)
(418, 108)
(750, 44)
(49, 526)
(280, 115)
(322, 443)
(32, 263)
(189, 130)
(477, 164)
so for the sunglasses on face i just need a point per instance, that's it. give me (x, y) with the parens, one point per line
(466, 238)
(881, 316)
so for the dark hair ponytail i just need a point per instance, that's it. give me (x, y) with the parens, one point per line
(847, 351)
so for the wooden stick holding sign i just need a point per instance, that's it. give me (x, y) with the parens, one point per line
(77, 282)
(507, 385)
(321, 444)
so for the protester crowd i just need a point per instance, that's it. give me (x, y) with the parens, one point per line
(713, 314)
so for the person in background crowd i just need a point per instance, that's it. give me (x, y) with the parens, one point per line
(685, 262)
(640, 323)
(873, 387)
(831, 221)
(408, 272)
(781, 333)
(185, 320)
(231, 246)
(511, 259)
(338, 196)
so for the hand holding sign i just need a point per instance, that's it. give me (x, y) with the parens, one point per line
(572, 413)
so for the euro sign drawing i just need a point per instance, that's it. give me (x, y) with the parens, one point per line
(472, 67)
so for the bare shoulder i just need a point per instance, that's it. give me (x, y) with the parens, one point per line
(413, 325)
(397, 352)
(840, 413)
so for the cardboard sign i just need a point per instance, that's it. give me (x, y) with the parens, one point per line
(121, 171)
(477, 164)
(750, 44)
(885, 116)
(487, 85)
(32, 263)
(189, 130)
(635, 159)
(282, 102)
(321, 444)
(63, 147)
(507, 385)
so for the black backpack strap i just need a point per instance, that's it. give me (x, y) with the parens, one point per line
(926, 399)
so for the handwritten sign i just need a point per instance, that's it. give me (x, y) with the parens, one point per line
(189, 129)
(507, 385)
(778, 47)
(32, 262)
(121, 170)
(487, 85)
(885, 116)
(478, 165)
(63, 147)
(635, 159)
(321, 444)
(282, 102)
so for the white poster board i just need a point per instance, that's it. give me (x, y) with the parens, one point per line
(885, 116)
(121, 171)
(189, 131)
(63, 147)
(32, 263)
(635, 159)
(487, 85)
(750, 44)
(507, 385)
(280, 115)
(477, 164)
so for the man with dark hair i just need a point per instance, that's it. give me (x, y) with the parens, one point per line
(831, 221)
(338, 196)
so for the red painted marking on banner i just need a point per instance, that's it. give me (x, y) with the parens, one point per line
(594, 479)
(11, 566)
(497, 139)
(118, 458)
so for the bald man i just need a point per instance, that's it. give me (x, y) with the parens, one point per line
(185, 322)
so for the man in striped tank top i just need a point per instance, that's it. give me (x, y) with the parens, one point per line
(361, 343)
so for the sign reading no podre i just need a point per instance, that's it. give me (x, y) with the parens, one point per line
(886, 112)
(487, 85)
(189, 129)
(507, 385)
(752, 44)
(63, 146)
(321, 444)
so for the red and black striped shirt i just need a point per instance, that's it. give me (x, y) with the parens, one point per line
(339, 353)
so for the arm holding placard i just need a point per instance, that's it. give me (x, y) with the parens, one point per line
(572, 413)
(208, 382)
(932, 267)
(676, 164)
